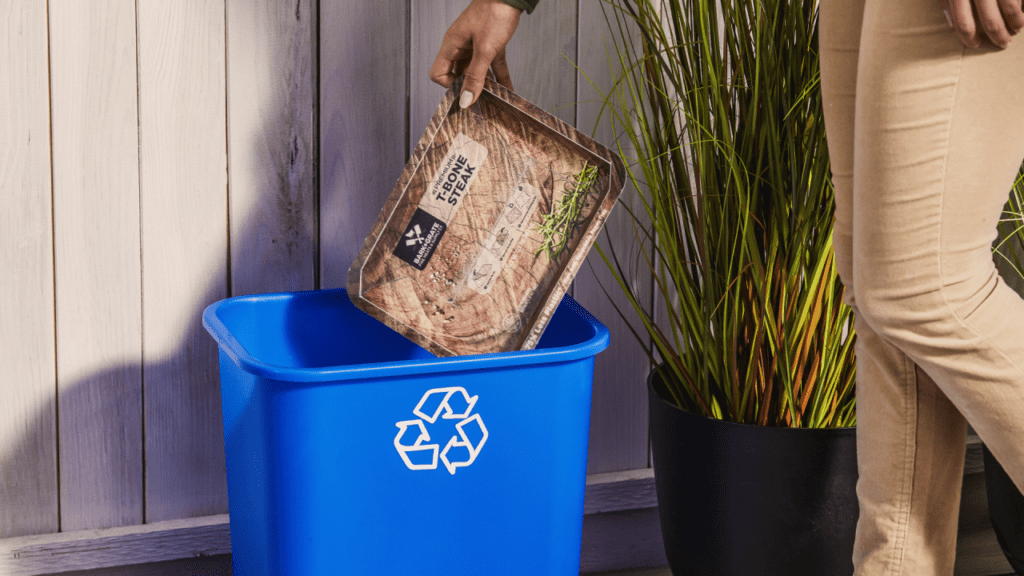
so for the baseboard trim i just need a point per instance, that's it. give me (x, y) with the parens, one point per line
(617, 491)
(110, 547)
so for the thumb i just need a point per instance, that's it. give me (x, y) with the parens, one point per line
(475, 74)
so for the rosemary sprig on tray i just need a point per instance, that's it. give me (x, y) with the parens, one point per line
(558, 226)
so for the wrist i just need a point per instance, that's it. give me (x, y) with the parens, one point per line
(522, 5)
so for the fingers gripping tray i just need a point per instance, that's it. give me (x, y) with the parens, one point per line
(486, 227)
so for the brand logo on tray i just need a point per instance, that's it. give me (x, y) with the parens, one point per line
(415, 236)
(413, 439)
(421, 237)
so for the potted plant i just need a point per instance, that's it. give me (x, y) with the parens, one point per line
(752, 400)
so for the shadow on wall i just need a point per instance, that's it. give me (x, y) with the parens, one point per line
(143, 442)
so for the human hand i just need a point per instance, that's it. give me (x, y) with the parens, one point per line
(1000, 20)
(475, 42)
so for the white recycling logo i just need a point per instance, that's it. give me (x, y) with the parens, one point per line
(452, 455)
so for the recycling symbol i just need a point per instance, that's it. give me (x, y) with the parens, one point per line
(413, 439)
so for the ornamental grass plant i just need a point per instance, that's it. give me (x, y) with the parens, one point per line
(1009, 246)
(718, 113)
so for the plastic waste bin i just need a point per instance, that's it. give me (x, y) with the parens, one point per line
(350, 450)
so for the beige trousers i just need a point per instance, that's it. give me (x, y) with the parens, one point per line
(925, 137)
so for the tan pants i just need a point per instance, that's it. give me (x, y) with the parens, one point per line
(925, 138)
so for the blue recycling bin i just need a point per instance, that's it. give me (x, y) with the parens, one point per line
(351, 450)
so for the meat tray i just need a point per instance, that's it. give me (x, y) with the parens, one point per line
(486, 227)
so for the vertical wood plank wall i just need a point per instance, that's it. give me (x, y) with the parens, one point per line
(96, 230)
(182, 159)
(364, 56)
(156, 157)
(271, 90)
(28, 417)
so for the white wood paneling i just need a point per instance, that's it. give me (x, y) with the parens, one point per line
(182, 134)
(618, 421)
(28, 441)
(96, 247)
(270, 83)
(364, 58)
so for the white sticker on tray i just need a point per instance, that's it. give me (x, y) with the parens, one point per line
(454, 178)
(504, 237)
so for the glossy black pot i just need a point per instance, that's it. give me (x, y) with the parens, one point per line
(743, 500)
(1006, 510)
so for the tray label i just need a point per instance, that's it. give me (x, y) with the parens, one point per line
(420, 239)
(454, 178)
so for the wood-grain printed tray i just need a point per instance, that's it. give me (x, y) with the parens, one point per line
(452, 262)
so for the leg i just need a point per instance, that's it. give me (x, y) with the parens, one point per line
(939, 139)
(903, 421)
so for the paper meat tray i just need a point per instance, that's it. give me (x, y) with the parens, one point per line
(452, 261)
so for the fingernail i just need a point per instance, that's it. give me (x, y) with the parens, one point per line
(466, 99)
(948, 19)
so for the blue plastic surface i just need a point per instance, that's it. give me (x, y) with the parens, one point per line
(329, 473)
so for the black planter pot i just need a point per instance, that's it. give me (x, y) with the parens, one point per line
(745, 500)
(1006, 510)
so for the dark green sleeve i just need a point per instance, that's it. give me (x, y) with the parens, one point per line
(527, 5)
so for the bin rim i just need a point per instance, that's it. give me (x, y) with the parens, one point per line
(519, 358)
